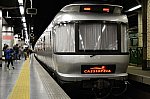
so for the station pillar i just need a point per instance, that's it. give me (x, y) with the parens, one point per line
(0, 37)
(146, 34)
(140, 36)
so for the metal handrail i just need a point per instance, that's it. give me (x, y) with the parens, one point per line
(136, 55)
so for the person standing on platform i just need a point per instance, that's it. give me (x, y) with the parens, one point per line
(22, 53)
(16, 51)
(19, 54)
(4, 48)
(25, 53)
(9, 56)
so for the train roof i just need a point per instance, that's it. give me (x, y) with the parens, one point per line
(65, 17)
(76, 7)
(102, 12)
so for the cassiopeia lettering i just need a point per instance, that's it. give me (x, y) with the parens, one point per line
(97, 70)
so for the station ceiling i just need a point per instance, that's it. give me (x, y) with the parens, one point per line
(47, 9)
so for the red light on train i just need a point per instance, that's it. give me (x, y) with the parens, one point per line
(106, 9)
(87, 8)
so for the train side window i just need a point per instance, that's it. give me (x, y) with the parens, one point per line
(65, 38)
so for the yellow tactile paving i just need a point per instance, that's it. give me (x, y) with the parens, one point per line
(21, 89)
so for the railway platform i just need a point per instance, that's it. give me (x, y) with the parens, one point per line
(28, 80)
(136, 73)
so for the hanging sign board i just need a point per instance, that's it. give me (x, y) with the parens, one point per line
(32, 11)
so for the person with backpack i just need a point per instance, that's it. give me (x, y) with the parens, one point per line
(9, 56)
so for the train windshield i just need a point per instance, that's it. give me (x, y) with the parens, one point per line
(98, 36)
(91, 37)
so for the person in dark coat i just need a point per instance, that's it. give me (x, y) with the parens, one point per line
(4, 48)
(9, 57)
(16, 51)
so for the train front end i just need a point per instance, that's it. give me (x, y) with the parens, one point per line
(90, 44)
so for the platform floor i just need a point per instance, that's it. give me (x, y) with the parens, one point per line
(28, 81)
(137, 74)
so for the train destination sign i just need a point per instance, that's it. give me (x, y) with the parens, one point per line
(97, 69)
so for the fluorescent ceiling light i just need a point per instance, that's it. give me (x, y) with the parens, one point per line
(23, 19)
(20, 2)
(134, 8)
(21, 10)
(24, 24)
(25, 29)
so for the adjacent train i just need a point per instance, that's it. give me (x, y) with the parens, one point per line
(87, 43)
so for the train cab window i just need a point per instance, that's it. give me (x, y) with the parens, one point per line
(98, 36)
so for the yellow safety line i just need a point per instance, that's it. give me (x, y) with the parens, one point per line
(22, 88)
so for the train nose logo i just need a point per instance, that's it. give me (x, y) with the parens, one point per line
(97, 69)
(103, 67)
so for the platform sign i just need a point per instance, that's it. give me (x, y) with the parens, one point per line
(32, 11)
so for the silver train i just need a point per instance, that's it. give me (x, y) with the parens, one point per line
(87, 43)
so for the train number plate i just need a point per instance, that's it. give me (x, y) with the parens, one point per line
(97, 69)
